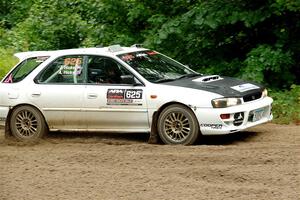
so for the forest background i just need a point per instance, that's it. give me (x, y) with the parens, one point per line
(250, 39)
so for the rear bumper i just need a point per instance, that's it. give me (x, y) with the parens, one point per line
(241, 117)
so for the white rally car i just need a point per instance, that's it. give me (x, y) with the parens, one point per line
(124, 89)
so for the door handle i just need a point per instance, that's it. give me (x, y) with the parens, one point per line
(92, 96)
(36, 94)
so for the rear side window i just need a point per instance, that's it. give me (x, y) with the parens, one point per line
(23, 69)
(65, 70)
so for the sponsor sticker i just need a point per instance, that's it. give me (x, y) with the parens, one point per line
(245, 87)
(124, 96)
(127, 57)
(212, 126)
(141, 55)
(238, 118)
(9, 79)
(150, 53)
(71, 66)
(41, 59)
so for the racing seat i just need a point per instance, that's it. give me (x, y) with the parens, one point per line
(112, 72)
(95, 72)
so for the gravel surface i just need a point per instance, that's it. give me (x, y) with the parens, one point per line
(260, 163)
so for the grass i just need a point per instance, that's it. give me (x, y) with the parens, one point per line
(7, 61)
(286, 105)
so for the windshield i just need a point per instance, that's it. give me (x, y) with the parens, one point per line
(156, 67)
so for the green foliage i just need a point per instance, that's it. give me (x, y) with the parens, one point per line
(7, 61)
(265, 65)
(252, 39)
(50, 25)
(233, 38)
(292, 5)
(13, 11)
(286, 106)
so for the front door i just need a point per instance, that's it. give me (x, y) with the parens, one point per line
(110, 102)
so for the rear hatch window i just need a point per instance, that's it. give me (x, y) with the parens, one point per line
(24, 69)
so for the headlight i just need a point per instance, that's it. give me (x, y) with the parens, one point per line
(264, 93)
(225, 102)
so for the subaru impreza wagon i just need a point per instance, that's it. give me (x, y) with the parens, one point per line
(124, 89)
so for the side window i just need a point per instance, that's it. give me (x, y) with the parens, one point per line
(24, 68)
(66, 70)
(106, 70)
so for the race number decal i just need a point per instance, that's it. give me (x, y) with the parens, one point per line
(124, 96)
(133, 94)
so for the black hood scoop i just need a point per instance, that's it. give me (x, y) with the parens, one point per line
(207, 79)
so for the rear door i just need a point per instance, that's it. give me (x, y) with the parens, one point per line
(59, 91)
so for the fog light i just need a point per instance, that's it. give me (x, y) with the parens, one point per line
(225, 116)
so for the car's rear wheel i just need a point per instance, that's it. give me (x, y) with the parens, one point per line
(27, 124)
(177, 124)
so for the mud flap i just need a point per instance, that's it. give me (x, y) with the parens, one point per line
(154, 139)
(7, 132)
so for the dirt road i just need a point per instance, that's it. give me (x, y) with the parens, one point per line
(261, 163)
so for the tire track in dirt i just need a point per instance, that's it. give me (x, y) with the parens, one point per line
(261, 163)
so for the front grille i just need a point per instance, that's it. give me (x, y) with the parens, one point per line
(252, 97)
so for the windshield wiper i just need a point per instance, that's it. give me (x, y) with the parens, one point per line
(173, 79)
(164, 80)
(189, 76)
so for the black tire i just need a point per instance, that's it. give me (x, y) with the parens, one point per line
(27, 124)
(177, 124)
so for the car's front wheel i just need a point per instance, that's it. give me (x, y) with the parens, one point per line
(177, 124)
(27, 124)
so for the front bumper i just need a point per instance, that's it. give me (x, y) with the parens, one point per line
(241, 117)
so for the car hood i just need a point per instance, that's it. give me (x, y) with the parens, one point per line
(225, 86)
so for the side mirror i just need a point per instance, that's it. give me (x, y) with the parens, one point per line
(130, 80)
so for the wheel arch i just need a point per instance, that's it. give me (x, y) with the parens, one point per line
(154, 137)
(8, 133)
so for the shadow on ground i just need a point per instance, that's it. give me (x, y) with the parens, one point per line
(233, 138)
(128, 138)
(244, 136)
(108, 138)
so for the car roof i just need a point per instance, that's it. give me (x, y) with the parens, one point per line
(106, 51)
